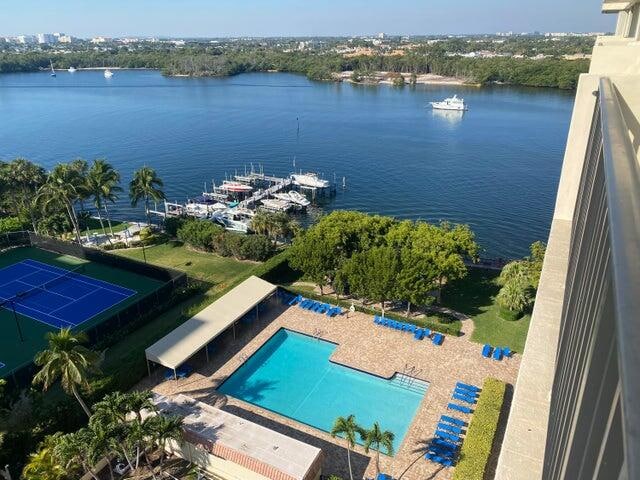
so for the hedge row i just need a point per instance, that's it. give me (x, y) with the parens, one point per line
(476, 448)
(449, 327)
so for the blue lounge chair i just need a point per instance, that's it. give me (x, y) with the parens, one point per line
(453, 421)
(405, 327)
(296, 299)
(384, 476)
(466, 386)
(497, 354)
(506, 351)
(442, 451)
(399, 325)
(419, 333)
(486, 350)
(333, 311)
(377, 320)
(463, 398)
(442, 461)
(443, 443)
(305, 303)
(450, 428)
(459, 408)
(411, 328)
(438, 338)
(324, 307)
(466, 393)
(447, 436)
(184, 371)
(427, 332)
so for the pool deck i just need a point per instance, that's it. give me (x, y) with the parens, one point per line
(362, 345)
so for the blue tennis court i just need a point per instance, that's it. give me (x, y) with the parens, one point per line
(56, 296)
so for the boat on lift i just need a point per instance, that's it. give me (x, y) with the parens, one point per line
(232, 220)
(276, 205)
(293, 197)
(236, 187)
(309, 179)
(451, 103)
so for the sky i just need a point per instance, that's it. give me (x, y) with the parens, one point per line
(221, 18)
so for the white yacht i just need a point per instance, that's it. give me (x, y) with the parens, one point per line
(108, 73)
(451, 103)
(276, 204)
(309, 179)
(232, 221)
(293, 197)
(72, 69)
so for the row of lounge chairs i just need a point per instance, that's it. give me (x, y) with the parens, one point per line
(182, 371)
(447, 438)
(418, 332)
(496, 352)
(314, 306)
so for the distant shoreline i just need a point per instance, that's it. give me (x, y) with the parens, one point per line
(387, 78)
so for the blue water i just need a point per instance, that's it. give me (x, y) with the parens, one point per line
(496, 167)
(291, 375)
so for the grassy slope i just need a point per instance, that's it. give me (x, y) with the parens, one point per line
(474, 296)
(208, 267)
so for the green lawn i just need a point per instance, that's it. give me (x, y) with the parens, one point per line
(474, 295)
(208, 267)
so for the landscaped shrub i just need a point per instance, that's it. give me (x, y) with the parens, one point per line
(476, 448)
(173, 224)
(199, 233)
(11, 224)
(256, 247)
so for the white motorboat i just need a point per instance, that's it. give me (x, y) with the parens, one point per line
(293, 197)
(276, 204)
(203, 207)
(232, 221)
(237, 187)
(309, 179)
(451, 103)
(108, 73)
(72, 70)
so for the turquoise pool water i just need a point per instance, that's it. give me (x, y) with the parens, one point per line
(291, 375)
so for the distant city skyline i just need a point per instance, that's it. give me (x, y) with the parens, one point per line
(229, 18)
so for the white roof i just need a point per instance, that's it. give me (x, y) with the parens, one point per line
(182, 343)
(250, 444)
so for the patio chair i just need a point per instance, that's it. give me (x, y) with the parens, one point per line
(305, 303)
(442, 461)
(447, 436)
(377, 320)
(438, 338)
(465, 393)
(450, 428)
(427, 332)
(443, 452)
(411, 328)
(398, 325)
(419, 334)
(486, 350)
(463, 398)
(459, 408)
(443, 443)
(384, 476)
(467, 386)
(453, 421)
(506, 351)
(497, 354)
(296, 299)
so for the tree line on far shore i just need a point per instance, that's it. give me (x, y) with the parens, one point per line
(555, 72)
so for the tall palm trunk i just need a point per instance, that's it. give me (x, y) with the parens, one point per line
(378, 461)
(123, 449)
(146, 210)
(104, 230)
(81, 401)
(349, 461)
(106, 211)
(74, 221)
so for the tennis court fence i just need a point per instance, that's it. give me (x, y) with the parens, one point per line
(171, 279)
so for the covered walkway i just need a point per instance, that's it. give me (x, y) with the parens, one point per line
(195, 334)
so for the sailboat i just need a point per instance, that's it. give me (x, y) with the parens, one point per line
(53, 72)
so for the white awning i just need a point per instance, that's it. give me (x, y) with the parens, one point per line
(193, 335)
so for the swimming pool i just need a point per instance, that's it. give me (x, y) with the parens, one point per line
(291, 375)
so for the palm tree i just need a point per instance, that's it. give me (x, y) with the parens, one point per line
(348, 428)
(164, 429)
(75, 449)
(103, 183)
(376, 438)
(64, 186)
(138, 401)
(68, 360)
(146, 185)
(22, 179)
(44, 465)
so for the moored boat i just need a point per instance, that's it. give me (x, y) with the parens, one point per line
(309, 179)
(451, 103)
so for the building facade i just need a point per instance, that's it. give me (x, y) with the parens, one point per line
(574, 413)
